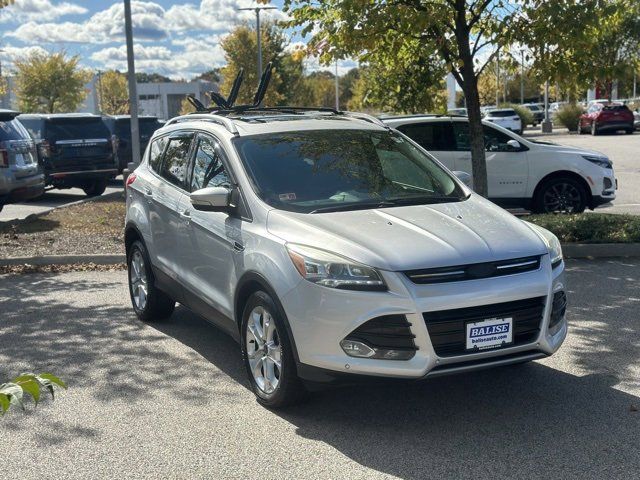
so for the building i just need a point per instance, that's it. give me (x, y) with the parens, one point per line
(159, 99)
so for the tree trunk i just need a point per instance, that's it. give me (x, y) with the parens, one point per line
(476, 134)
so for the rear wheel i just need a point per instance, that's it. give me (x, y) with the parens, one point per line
(560, 195)
(629, 131)
(95, 188)
(148, 301)
(268, 355)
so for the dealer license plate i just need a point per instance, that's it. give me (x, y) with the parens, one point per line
(491, 333)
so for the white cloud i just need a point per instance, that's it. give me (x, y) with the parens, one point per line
(39, 11)
(10, 54)
(196, 56)
(102, 27)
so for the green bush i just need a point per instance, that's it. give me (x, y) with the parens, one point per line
(569, 116)
(12, 393)
(526, 116)
(591, 227)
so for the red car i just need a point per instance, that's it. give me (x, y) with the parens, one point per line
(606, 116)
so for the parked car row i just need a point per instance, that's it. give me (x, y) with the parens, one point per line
(64, 151)
(604, 116)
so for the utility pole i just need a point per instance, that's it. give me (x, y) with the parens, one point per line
(337, 88)
(258, 9)
(498, 79)
(521, 76)
(133, 91)
(635, 81)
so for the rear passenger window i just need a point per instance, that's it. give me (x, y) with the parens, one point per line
(432, 136)
(208, 169)
(175, 160)
(155, 153)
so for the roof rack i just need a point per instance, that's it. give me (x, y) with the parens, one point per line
(208, 117)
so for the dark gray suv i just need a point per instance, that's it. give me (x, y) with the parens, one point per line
(20, 176)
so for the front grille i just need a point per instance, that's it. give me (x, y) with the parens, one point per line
(474, 271)
(558, 308)
(389, 332)
(447, 327)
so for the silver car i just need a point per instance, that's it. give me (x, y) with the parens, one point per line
(333, 248)
(20, 175)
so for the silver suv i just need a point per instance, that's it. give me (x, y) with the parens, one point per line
(20, 175)
(333, 247)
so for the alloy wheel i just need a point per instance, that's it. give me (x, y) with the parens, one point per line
(264, 350)
(138, 280)
(562, 197)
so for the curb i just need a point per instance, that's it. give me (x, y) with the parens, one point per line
(570, 250)
(600, 250)
(33, 216)
(64, 260)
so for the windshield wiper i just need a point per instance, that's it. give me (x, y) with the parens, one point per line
(354, 206)
(425, 200)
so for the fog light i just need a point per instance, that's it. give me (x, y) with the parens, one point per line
(354, 348)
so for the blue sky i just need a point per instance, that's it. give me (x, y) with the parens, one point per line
(177, 39)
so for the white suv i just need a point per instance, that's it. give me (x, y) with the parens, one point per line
(522, 173)
(332, 247)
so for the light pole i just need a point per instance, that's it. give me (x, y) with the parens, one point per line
(337, 88)
(133, 91)
(258, 9)
(521, 76)
(498, 79)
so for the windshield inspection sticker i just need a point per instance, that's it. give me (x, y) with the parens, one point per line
(489, 333)
(285, 197)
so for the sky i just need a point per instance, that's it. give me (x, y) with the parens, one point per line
(177, 39)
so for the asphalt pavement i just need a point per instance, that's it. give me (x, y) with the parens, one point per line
(51, 199)
(171, 400)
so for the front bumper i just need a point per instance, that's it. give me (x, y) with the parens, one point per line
(320, 318)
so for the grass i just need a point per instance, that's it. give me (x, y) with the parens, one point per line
(591, 227)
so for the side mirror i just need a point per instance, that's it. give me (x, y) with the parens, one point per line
(464, 177)
(514, 144)
(211, 199)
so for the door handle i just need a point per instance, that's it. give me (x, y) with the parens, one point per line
(148, 192)
(238, 247)
(185, 214)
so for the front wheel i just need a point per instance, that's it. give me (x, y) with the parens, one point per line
(268, 355)
(560, 195)
(148, 301)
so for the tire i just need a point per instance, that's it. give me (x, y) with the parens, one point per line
(560, 195)
(156, 305)
(95, 188)
(594, 129)
(1, 206)
(629, 131)
(268, 354)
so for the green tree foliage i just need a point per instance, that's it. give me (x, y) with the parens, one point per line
(142, 77)
(569, 116)
(50, 83)
(240, 52)
(113, 93)
(13, 392)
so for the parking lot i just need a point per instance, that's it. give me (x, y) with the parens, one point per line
(171, 400)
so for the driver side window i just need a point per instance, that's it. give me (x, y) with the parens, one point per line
(496, 141)
(208, 168)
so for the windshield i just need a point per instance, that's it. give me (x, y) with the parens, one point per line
(332, 170)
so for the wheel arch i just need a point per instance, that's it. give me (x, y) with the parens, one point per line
(250, 283)
(560, 174)
(131, 234)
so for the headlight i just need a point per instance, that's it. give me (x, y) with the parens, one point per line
(333, 271)
(552, 243)
(603, 162)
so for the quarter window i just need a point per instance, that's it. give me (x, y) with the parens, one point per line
(208, 169)
(176, 159)
(155, 153)
(432, 136)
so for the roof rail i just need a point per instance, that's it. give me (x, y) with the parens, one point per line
(367, 118)
(207, 117)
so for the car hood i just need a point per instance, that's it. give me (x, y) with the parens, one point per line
(412, 237)
(565, 149)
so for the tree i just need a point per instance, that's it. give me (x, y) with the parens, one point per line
(142, 77)
(50, 83)
(212, 76)
(186, 107)
(113, 93)
(464, 35)
(240, 52)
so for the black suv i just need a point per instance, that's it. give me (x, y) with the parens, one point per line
(74, 149)
(120, 126)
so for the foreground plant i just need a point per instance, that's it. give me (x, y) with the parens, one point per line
(12, 393)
